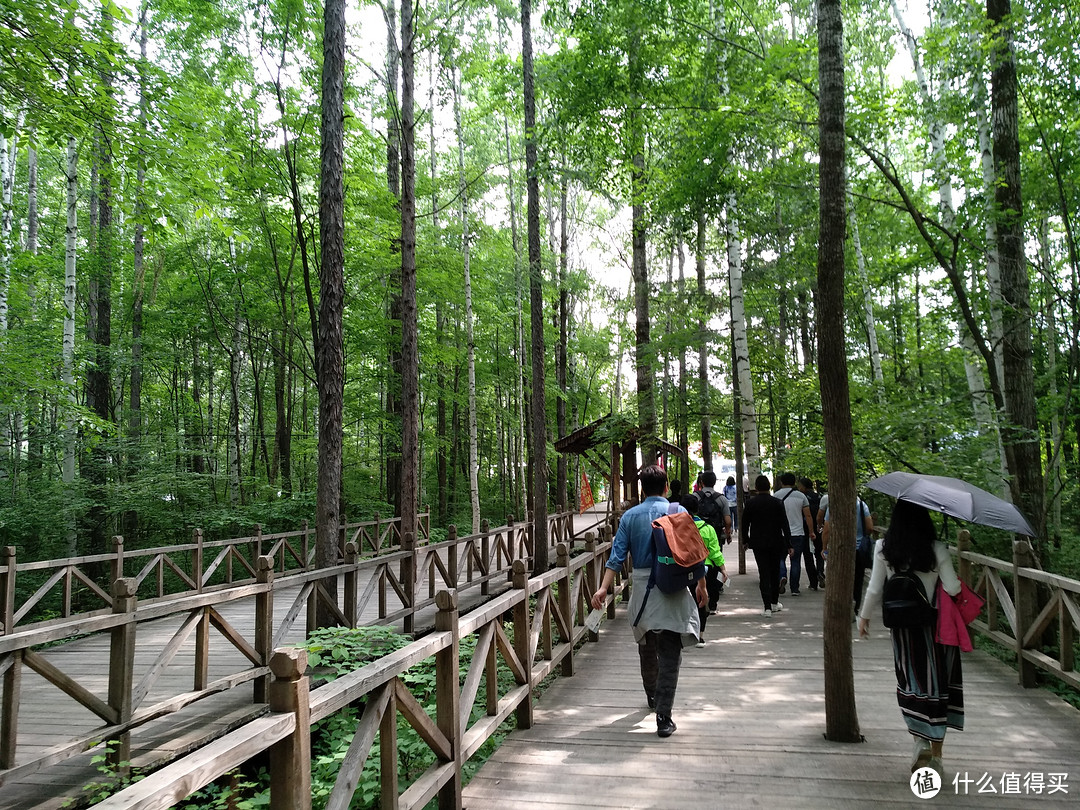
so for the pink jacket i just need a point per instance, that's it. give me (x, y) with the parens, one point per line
(955, 613)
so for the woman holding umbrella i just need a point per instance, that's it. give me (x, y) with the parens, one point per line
(929, 682)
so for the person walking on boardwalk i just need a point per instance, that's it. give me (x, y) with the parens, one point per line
(815, 563)
(797, 507)
(668, 622)
(765, 531)
(716, 577)
(929, 680)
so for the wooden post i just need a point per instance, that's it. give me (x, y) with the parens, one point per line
(257, 546)
(524, 711)
(290, 759)
(1026, 598)
(1067, 639)
(122, 668)
(7, 588)
(9, 718)
(352, 559)
(118, 558)
(408, 580)
(306, 544)
(511, 543)
(452, 557)
(964, 571)
(377, 539)
(202, 651)
(485, 555)
(448, 693)
(566, 603)
(197, 559)
(264, 623)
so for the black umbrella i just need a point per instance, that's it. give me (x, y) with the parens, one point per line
(952, 496)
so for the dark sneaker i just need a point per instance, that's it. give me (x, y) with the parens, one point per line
(651, 700)
(665, 726)
(783, 585)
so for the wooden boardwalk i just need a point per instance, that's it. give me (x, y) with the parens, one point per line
(50, 718)
(750, 714)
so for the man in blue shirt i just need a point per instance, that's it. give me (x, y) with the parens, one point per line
(663, 623)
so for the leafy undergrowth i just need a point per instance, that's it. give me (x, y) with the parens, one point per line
(333, 652)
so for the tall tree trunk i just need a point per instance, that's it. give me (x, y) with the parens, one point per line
(470, 343)
(8, 154)
(704, 388)
(394, 284)
(539, 464)
(442, 437)
(747, 413)
(1021, 433)
(331, 357)
(520, 496)
(410, 352)
(564, 337)
(841, 718)
(643, 352)
(35, 410)
(235, 450)
(71, 234)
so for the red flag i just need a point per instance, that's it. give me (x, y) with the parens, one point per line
(586, 496)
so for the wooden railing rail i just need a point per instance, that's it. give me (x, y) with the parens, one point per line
(394, 580)
(548, 622)
(160, 571)
(1027, 613)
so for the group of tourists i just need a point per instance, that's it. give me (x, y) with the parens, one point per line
(787, 529)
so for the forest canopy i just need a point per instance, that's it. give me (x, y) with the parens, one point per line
(161, 253)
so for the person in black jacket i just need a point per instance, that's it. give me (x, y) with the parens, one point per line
(764, 530)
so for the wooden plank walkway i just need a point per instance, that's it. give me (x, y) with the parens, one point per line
(751, 718)
(49, 717)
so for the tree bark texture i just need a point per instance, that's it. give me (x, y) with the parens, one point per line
(410, 348)
(1021, 432)
(564, 337)
(643, 356)
(331, 357)
(841, 718)
(392, 439)
(536, 300)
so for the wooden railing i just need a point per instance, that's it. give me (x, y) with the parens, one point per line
(387, 588)
(548, 613)
(171, 570)
(1036, 600)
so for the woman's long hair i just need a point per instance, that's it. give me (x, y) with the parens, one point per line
(909, 542)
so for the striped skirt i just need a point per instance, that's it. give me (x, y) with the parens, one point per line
(929, 683)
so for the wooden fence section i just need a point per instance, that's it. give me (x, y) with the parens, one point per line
(172, 570)
(1025, 622)
(121, 696)
(548, 613)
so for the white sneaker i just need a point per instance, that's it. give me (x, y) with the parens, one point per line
(777, 607)
(766, 612)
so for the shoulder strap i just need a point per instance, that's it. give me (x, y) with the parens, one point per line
(786, 494)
